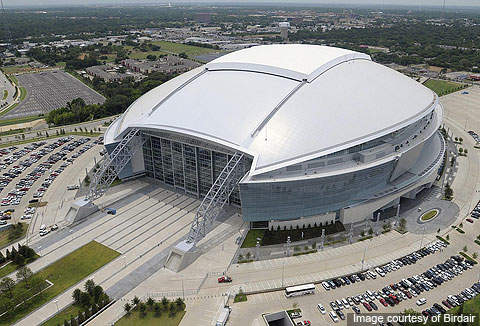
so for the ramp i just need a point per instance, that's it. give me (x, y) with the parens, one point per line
(80, 209)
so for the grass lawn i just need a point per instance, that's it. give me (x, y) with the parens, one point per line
(65, 273)
(4, 236)
(16, 69)
(59, 318)
(12, 132)
(150, 320)
(429, 215)
(5, 94)
(10, 122)
(23, 93)
(13, 79)
(251, 238)
(177, 48)
(280, 236)
(443, 87)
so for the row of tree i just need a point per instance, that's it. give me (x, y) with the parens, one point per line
(158, 308)
(18, 256)
(90, 300)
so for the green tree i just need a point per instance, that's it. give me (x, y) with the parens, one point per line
(85, 299)
(165, 303)
(142, 308)
(135, 300)
(6, 286)
(157, 309)
(180, 304)
(97, 293)
(465, 249)
(25, 274)
(89, 286)
(127, 307)
(77, 293)
(172, 311)
(150, 302)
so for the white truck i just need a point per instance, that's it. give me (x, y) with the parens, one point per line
(223, 316)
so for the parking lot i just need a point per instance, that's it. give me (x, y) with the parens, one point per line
(433, 277)
(50, 90)
(27, 173)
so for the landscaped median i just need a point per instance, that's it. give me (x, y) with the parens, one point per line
(61, 274)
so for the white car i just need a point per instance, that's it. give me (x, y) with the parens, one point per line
(421, 301)
(321, 308)
(325, 285)
(26, 217)
(333, 315)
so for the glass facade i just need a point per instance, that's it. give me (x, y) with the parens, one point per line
(312, 196)
(187, 164)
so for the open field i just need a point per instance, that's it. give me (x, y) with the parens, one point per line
(16, 69)
(443, 87)
(65, 273)
(190, 50)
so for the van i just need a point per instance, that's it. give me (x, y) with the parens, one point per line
(333, 315)
(223, 316)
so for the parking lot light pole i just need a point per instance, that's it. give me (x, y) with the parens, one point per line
(365, 252)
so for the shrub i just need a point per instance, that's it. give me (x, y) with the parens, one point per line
(127, 307)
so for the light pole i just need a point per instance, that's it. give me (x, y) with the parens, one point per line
(423, 235)
(56, 304)
(365, 252)
(288, 246)
(283, 273)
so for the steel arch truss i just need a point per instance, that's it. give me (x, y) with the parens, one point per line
(216, 198)
(114, 163)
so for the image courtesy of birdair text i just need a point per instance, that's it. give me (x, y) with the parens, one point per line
(370, 319)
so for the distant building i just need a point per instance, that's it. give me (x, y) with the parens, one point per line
(107, 73)
(284, 26)
(167, 64)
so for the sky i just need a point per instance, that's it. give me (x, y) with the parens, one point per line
(415, 3)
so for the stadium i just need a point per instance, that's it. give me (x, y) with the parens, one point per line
(314, 134)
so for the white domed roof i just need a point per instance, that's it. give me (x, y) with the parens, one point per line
(283, 104)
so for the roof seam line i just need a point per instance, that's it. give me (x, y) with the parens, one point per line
(277, 107)
(177, 90)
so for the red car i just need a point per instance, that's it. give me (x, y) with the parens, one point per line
(367, 306)
(408, 294)
(224, 279)
(469, 220)
(307, 322)
(382, 301)
(447, 304)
